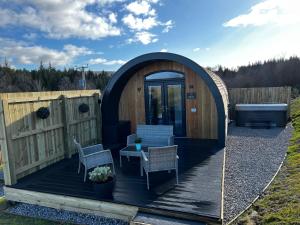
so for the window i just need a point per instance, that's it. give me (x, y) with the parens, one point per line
(164, 75)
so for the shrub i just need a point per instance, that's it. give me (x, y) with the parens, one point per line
(101, 174)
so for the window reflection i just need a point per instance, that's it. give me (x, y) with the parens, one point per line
(164, 75)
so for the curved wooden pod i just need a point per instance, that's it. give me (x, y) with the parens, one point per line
(124, 97)
(200, 124)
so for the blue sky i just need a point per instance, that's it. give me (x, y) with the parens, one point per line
(107, 33)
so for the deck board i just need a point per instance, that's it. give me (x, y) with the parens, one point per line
(198, 193)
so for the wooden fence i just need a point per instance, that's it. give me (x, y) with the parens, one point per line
(29, 143)
(258, 95)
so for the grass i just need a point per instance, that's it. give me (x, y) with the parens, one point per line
(280, 204)
(6, 218)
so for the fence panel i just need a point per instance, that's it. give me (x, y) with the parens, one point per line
(257, 96)
(29, 143)
(83, 126)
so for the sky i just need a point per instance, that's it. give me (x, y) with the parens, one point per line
(105, 34)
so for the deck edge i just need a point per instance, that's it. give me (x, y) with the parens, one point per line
(81, 205)
(223, 185)
(182, 215)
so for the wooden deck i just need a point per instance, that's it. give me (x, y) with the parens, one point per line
(198, 195)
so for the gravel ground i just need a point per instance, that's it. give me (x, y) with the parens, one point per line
(1, 183)
(1, 190)
(62, 215)
(252, 158)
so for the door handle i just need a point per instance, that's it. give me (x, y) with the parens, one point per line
(166, 110)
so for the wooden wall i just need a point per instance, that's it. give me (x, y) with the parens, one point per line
(202, 124)
(258, 95)
(29, 143)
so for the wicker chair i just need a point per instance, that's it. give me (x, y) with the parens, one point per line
(93, 156)
(153, 135)
(160, 159)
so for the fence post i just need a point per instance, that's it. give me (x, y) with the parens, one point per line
(66, 130)
(6, 145)
(98, 117)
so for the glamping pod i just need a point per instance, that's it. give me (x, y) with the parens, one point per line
(166, 88)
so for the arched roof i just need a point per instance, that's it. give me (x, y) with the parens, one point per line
(113, 91)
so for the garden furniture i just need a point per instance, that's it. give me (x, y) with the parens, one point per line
(93, 156)
(153, 135)
(159, 159)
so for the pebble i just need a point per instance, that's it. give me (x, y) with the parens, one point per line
(62, 215)
(252, 158)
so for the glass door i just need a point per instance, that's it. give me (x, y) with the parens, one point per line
(175, 107)
(154, 104)
(164, 102)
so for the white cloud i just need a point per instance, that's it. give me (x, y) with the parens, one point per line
(153, 1)
(141, 7)
(141, 18)
(167, 26)
(60, 19)
(145, 37)
(261, 43)
(279, 12)
(108, 2)
(138, 24)
(106, 62)
(73, 50)
(113, 17)
(23, 53)
(7, 17)
(97, 61)
(115, 62)
(30, 36)
(274, 33)
(199, 49)
(164, 50)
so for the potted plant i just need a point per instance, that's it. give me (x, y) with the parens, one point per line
(138, 143)
(103, 181)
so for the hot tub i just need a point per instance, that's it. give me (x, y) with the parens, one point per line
(256, 115)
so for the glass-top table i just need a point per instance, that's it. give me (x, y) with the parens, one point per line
(130, 151)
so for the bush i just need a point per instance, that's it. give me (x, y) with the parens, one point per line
(100, 174)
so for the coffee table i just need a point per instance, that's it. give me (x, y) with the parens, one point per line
(130, 151)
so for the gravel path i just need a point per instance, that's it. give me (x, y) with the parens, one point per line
(252, 158)
(62, 215)
(1, 183)
(1, 190)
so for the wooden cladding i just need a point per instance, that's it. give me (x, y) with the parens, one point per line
(200, 124)
(29, 143)
(257, 96)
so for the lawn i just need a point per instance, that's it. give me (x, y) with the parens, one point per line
(281, 203)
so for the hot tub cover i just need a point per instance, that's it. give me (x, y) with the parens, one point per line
(261, 107)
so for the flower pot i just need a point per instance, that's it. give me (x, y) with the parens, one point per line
(138, 146)
(105, 190)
